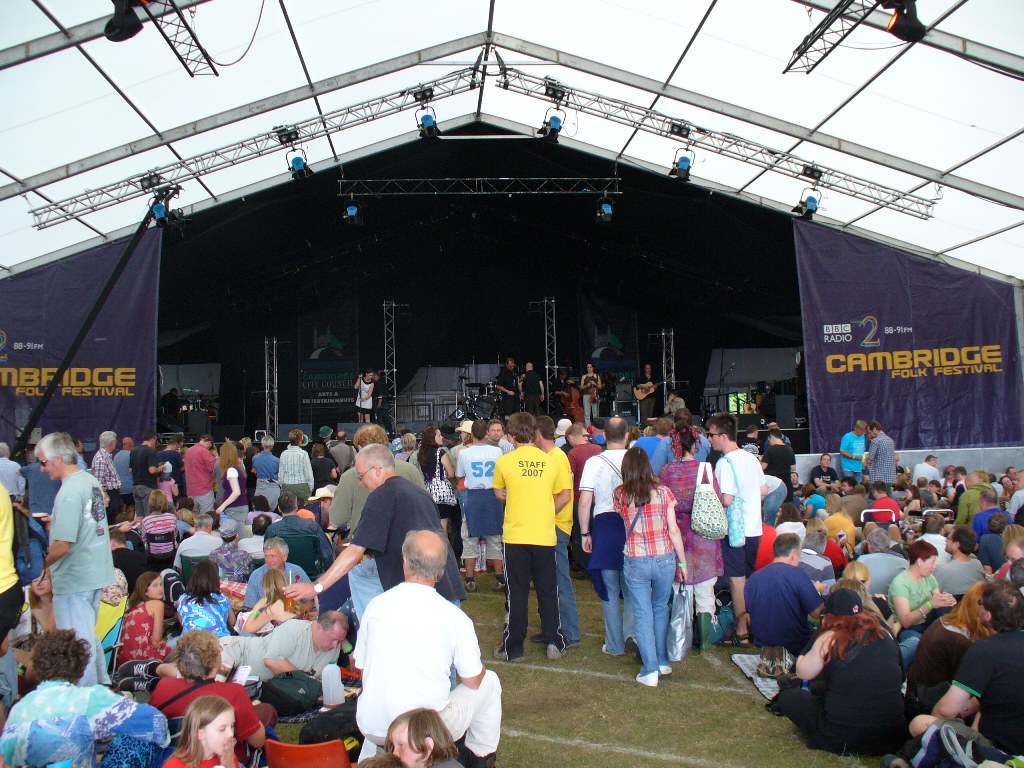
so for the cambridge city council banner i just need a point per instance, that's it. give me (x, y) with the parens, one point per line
(927, 349)
(111, 383)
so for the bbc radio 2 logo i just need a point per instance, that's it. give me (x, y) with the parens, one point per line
(867, 327)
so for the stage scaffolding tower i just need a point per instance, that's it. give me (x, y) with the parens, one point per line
(668, 360)
(391, 311)
(550, 343)
(270, 384)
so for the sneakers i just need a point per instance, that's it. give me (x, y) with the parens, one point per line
(664, 671)
(651, 680)
(470, 585)
(502, 655)
(137, 669)
(775, 662)
(498, 586)
(633, 649)
(604, 649)
(553, 653)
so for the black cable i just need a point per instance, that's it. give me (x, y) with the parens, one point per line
(251, 41)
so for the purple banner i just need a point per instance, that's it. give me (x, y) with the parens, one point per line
(111, 383)
(927, 349)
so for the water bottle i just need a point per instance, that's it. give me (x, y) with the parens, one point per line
(334, 690)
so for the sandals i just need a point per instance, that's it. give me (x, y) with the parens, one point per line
(734, 638)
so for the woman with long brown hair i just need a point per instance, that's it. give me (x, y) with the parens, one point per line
(232, 472)
(434, 462)
(203, 606)
(654, 553)
(854, 703)
(142, 634)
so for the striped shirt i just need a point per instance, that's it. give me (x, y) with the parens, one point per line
(295, 467)
(162, 523)
(103, 469)
(650, 536)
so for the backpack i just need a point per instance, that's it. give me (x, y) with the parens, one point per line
(30, 546)
(336, 723)
(292, 693)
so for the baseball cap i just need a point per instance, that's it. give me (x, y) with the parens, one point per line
(843, 602)
(563, 426)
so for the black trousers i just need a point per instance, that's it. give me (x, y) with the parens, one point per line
(114, 506)
(523, 562)
(807, 712)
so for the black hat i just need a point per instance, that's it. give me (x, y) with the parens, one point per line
(843, 602)
(598, 422)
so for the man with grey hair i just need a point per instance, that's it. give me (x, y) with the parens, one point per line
(10, 473)
(105, 472)
(275, 558)
(265, 464)
(882, 559)
(79, 557)
(812, 559)
(201, 543)
(409, 639)
(394, 507)
(304, 646)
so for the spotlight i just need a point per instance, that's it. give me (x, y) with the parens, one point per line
(297, 164)
(812, 172)
(353, 213)
(681, 164)
(554, 90)
(680, 130)
(159, 214)
(552, 125)
(150, 181)
(605, 211)
(286, 134)
(426, 121)
(904, 23)
(808, 205)
(423, 95)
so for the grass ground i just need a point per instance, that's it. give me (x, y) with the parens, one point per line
(587, 709)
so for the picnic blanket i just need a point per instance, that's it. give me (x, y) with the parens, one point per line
(747, 662)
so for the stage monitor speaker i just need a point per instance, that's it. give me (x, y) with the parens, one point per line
(220, 431)
(196, 422)
(626, 409)
(284, 429)
(744, 420)
(348, 427)
(785, 411)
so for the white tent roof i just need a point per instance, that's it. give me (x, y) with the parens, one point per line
(941, 118)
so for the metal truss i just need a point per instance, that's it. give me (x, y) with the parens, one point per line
(479, 186)
(270, 384)
(192, 168)
(668, 360)
(550, 342)
(833, 29)
(170, 22)
(391, 309)
(725, 144)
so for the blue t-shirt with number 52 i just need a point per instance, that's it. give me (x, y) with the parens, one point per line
(476, 466)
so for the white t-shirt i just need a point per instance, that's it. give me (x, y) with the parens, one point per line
(1016, 502)
(750, 478)
(476, 464)
(408, 640)
(924, 469)
(773, 482)
(601, 477)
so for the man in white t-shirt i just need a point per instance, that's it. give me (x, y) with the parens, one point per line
(929, 468)
(604, 535)
(742, 483)
(409, 639)
(482, 512)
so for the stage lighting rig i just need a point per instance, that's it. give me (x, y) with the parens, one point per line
(150, 181)
(808, 204)
(286, 134)
(682, 163)
(554, 90)
(353, 212)
(552, 126)
(159, 207)
(426, 121)
(904, 23)
(812, 172)
(679, 129)
(605, 211)
(298, 165)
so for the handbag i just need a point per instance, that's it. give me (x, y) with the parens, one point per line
(439, 487)
(680, 622)
(734, 514)
(708, 515)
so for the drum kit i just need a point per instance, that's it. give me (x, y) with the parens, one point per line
(476, 400)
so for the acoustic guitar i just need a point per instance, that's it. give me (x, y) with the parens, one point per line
(645, 390)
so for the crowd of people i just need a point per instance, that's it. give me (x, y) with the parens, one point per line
(863, 579)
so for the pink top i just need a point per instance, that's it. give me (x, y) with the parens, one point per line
(199, 464)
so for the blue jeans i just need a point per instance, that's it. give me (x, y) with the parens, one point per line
(771, 503)
(77, 611)
(650, 583)
(568, 616)
(364, 582)
(857, 475)
(909, 639)
(618, 624)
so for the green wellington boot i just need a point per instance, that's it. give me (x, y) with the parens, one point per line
(704, 628)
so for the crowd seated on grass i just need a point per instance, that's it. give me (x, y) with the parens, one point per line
(928, 586)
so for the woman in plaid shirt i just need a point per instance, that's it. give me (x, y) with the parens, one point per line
(653, 553)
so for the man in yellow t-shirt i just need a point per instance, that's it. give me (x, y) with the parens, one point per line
(11, 595)
(533, 485)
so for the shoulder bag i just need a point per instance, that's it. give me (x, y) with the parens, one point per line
(708, 516)
(439, 486)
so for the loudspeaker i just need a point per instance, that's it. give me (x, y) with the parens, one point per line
(348, 427)
(626, 409)
(623, 390)
(744, 420)
(196, 422)
(785, 411)
(284, 429)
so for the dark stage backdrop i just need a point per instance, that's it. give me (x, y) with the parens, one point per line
(927, 349)
(111, 383)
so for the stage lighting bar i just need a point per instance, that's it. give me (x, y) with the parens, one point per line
(188, 169)
(838, 23)
(479, 186)
(170, 22)
(725, 144)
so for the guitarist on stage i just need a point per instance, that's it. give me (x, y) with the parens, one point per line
(646, 391)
